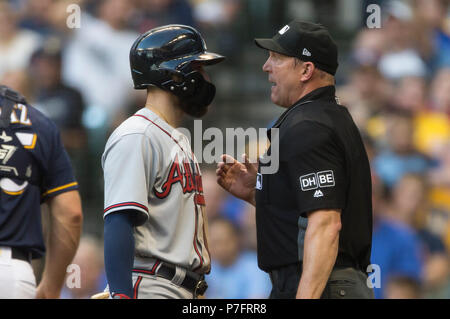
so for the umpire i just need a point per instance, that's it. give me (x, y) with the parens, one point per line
(314, 215)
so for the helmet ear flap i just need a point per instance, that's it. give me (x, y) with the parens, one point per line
(138, 79)
(192, 81)
(185, 87)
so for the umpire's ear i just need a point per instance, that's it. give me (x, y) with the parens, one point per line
(306, 71)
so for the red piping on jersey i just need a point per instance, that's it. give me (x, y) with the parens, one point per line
(205, 237)
(145, 271)
(195, 204)
(199, 199)
(206, 241)
(126, 204)
(195, 240)
(136, 287)
(161, 129)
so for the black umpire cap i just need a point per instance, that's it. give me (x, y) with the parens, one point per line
(305, 41)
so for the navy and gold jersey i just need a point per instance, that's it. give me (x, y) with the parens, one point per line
(33, 168)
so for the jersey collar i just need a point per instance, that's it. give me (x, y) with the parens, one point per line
(322, 93)
(155, 118)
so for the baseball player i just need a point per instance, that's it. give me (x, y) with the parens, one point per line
(34, 169)
(155, 225)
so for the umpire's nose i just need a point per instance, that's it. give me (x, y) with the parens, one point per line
(266, 66)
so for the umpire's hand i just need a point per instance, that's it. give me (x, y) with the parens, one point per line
(237, 178)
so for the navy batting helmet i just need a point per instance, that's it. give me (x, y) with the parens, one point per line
(164, 57)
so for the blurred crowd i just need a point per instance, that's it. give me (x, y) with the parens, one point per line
(398, 92)
(395, 81)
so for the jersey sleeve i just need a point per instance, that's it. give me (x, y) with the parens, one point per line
(316, 167)
(59, 177)
(129, 172)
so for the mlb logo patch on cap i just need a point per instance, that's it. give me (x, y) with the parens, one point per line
(283, 30)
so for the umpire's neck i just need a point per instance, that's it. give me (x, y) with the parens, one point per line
(310, 80)
(165, 105)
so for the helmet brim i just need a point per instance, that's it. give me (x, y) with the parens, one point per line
(209, 58)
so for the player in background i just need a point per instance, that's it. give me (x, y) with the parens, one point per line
(155, 223)
(34, 170)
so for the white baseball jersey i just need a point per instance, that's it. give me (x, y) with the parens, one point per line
(149, 167)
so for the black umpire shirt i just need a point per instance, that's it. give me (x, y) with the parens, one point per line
(322, 165)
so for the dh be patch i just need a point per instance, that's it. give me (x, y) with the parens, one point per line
(316, 180)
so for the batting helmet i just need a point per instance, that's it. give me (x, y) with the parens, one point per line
(164, 56)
